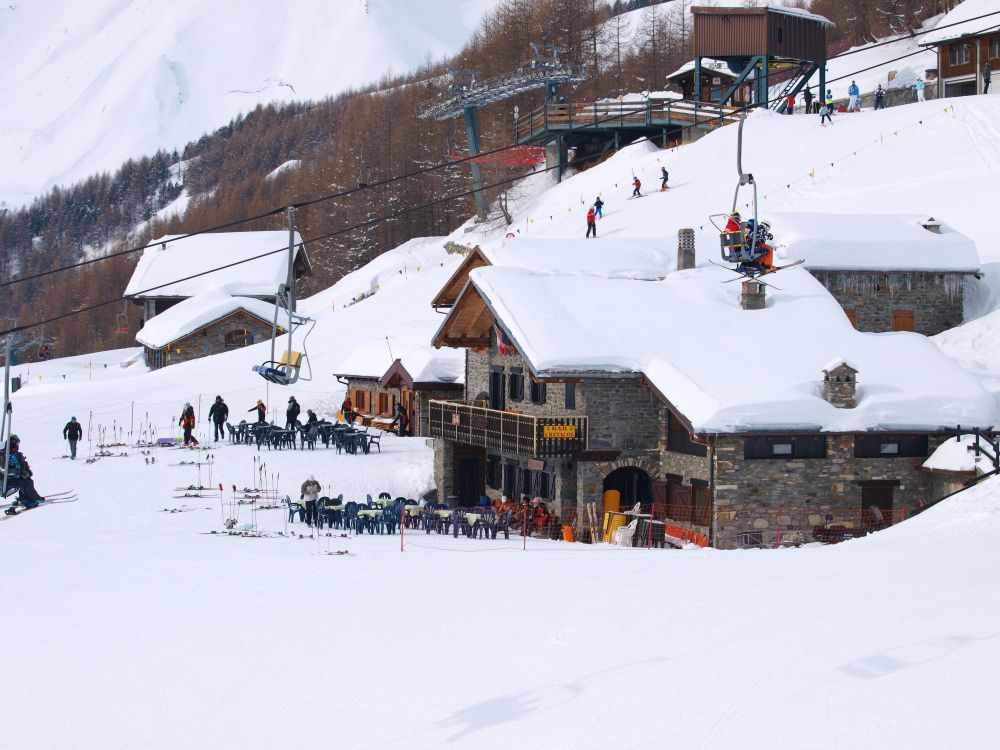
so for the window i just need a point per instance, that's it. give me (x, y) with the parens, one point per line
(890, 446)
(679, 439)
(960, 54)
(788, 446)
(994, 48)
(360, 400)
(385, 404)
(494, 475)
(497, 390)
(537, 392)
(702, 510)
(510, 480)
(571, 395)
(902, 320)
(239, 337)
(515, 384)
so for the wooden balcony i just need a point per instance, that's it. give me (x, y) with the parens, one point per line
(506, 431)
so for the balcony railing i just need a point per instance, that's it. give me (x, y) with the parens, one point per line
(506, 431)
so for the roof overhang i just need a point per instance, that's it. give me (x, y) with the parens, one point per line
(456, 283)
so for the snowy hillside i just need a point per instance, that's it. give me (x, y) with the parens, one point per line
(88, 85)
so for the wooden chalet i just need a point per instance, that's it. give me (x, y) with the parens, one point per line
(968, 50)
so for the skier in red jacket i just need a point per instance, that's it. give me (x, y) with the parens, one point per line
(636, 184)
(591, 223)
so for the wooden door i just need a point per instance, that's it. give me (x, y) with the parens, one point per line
(903, 320)
(876, 506)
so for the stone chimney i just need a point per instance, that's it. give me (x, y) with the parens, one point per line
(685, 249)
(840, 382)
(752, 295)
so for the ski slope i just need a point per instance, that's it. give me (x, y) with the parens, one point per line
(137, 628)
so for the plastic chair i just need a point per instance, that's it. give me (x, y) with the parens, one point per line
(294, 508)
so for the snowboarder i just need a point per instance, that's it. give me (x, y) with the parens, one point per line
(599, 208)
(219, 413)
(808, 96)
(72, 432)
(919, 86)
(187, 421)
(664, 176)
(310, 494)
(261, 412)
(852, 93)
(636, 185)
(591, 223)
(292, 414)
(347, 409)
(986, 78)
(401, 420)
(880, 97)
(19, 473)
(824, 115)
(790, 104)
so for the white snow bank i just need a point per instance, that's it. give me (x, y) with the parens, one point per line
(957, 454)
(290, 165)
(873, 242)
(167, 259)
(727, 369)
(615, 257)
(195, 312)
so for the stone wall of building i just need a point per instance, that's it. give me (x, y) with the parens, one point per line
(935, 299)
(782, 499)
(210, 340)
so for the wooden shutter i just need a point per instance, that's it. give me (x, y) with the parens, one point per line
(902, 320)
(852, 315)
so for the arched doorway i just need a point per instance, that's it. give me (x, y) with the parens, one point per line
(633, 483)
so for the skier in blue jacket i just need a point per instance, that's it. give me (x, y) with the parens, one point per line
(853, 91)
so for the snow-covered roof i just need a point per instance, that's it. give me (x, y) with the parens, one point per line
(168, 259)
(708, 65)
(960, 15)
(802, 13)
(198, 311)
(872, 242)
(724, 368)
(611, 257)
(957, 454)
(424, 363)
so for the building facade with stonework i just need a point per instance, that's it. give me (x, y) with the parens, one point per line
(888, 272)
(743, 440)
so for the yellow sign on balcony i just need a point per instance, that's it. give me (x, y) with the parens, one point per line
(559, 431)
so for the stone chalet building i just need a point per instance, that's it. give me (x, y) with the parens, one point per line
(739, 424)
(888, 272)
(376, 384)
(210, 311)
(161, 278)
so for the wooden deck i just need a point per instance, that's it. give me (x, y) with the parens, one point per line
(549, 119)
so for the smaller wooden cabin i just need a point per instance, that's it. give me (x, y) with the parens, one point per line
(210, 323)
(716, 78)
(968, 49)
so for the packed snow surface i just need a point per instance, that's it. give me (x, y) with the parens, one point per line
(248, 263)
(88, 85)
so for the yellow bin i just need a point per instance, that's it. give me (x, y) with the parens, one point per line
(613, 521)
(611, 501)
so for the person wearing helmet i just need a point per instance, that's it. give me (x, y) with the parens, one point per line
(219, 413)
(18, 474)
(72, 432)
(187, 422)
(261, 412)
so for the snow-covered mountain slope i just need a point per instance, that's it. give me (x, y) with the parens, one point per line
(245, 640)
(88, 85)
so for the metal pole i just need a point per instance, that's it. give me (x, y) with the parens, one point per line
(472, 135)
(6, 423)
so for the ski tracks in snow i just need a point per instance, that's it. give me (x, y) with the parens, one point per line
(984, 135)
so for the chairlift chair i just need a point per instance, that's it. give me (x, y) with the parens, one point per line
(288, 369)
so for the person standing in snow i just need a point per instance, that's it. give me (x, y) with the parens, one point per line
(880, 97)
(261, 412)
(599, 208)
(664, 176)
(636, 185)
(187, 422)
(790, 104)
(310, 494)
(219, 413)
(807, 96)
(347, 409)
(829, 100)
(919, 86)
(15, 466)
(824, 115)
(401, 420)
(292, 414)
(591, 223)
(72, 432)
(852, 93)
(986, 78)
